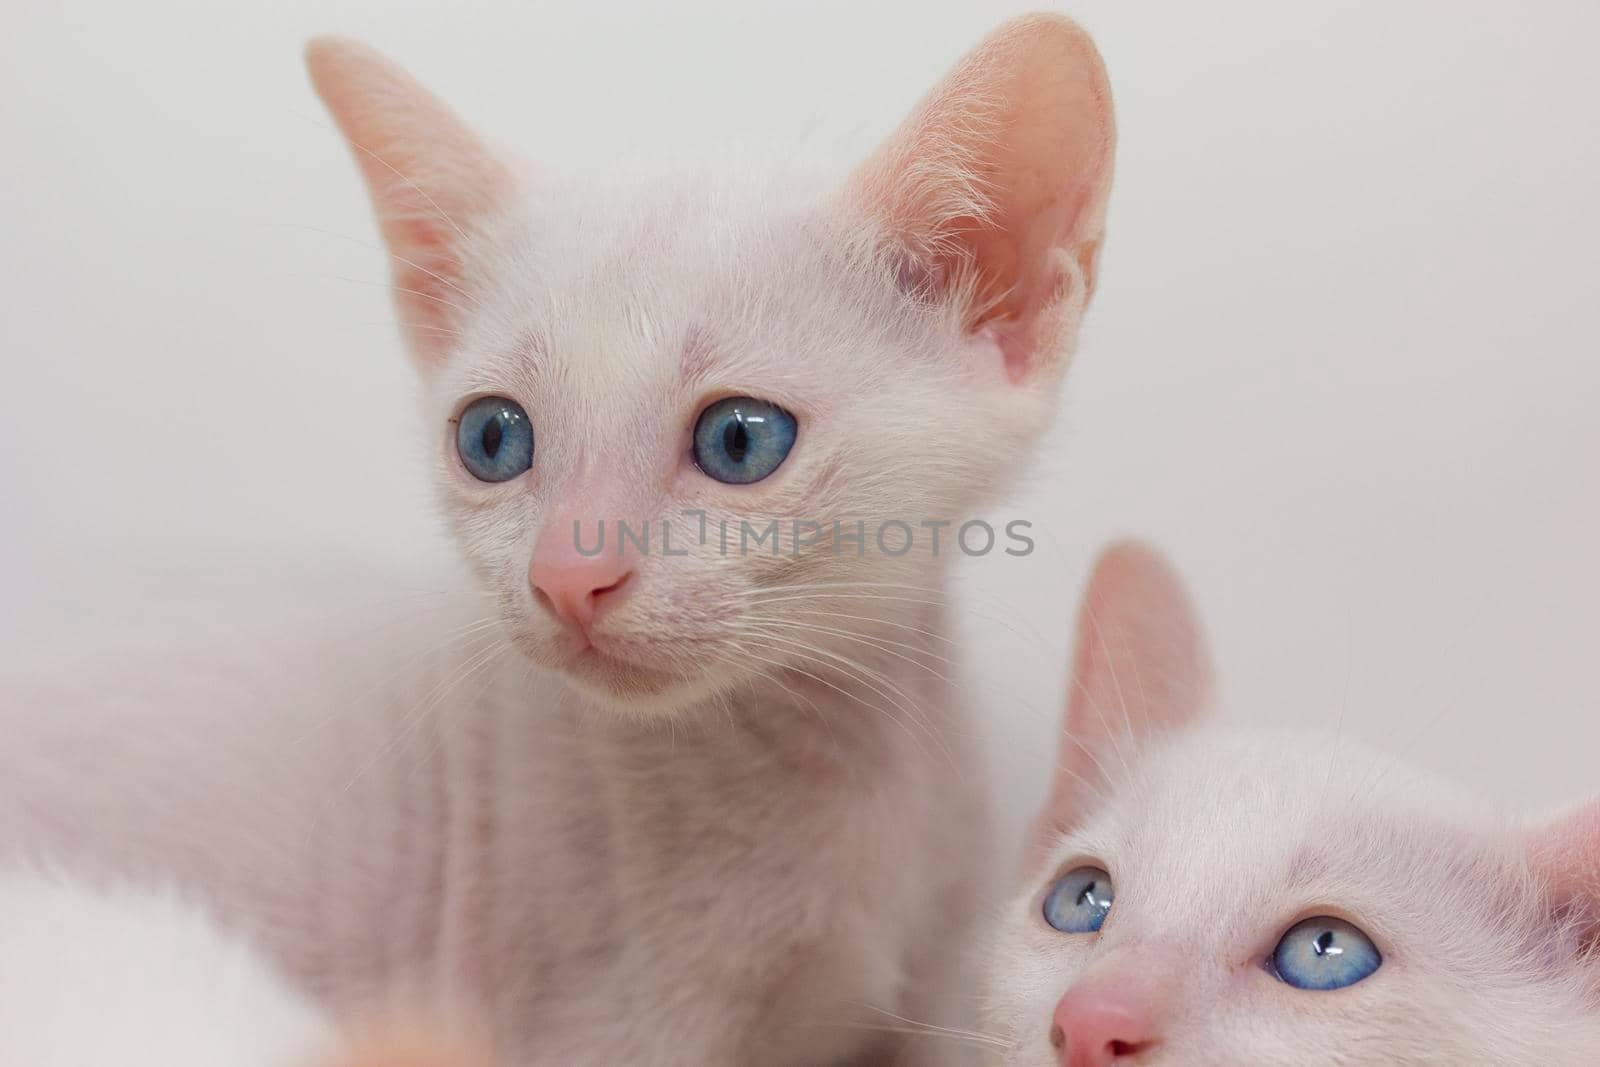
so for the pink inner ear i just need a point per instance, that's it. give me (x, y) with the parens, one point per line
(1000, 179)
(1566, 852)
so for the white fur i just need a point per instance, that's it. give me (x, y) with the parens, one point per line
(728, 840)
(132, 978)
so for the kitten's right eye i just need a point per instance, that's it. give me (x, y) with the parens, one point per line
(494, 439)
(1078, 902)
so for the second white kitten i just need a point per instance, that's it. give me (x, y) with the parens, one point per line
(1206, 896)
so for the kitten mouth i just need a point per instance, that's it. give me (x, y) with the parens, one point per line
(616, 670)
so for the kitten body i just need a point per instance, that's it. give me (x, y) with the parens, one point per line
(1220, 840)
(388, 818)
(710, 807)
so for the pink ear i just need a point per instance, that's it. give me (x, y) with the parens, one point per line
(997, 184)
(1140, 668)
(431, 181)
(1566, 854)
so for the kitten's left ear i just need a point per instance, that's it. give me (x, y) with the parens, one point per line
(432, 181)
(996, 186)
(1565, 853)
(1141, 668)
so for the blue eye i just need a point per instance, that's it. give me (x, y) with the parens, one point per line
(1077, 904)
(495, 439)
(1324, 953)
(741, 440)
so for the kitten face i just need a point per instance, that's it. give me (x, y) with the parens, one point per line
(913, 322)
(615, 329)
(1217, 845)
(1441, 934)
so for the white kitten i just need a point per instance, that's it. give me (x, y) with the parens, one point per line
(129, 978)
(717, 815)
(1202, 896)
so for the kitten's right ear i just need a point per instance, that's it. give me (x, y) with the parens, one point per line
(432, 182)
(1140, 668)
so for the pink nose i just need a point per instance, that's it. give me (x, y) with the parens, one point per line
(575, 588)
(1100, 1025)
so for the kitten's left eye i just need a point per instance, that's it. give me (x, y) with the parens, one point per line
(1077, 904)
(742, 440)
(1325, 953)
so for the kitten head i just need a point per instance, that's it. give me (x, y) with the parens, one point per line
(1201, 896)
(708, 355)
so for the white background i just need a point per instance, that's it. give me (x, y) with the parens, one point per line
(1342, 365)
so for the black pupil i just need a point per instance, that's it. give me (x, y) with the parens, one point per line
(1324, 942)
(491, 437)
(736, 439)
(1087, 896)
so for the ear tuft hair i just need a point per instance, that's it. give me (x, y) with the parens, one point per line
(996, 186)
(1564, 854)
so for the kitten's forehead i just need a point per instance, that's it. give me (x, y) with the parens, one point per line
(614, 315)
(1253, 778)
(1237, 827)
(670, 286)
(585, 294)
(584, 315)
